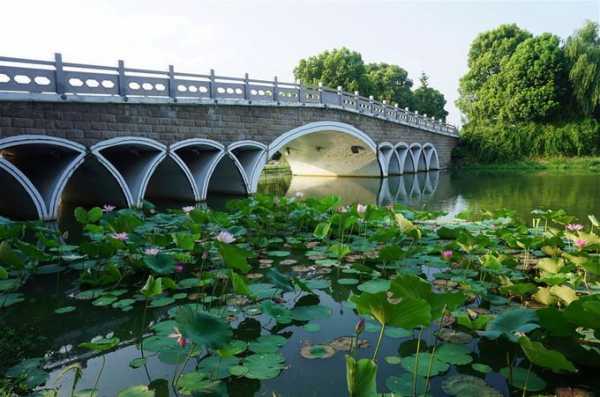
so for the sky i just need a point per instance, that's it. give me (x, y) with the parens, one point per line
(268, 38)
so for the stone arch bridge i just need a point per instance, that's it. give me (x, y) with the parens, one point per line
(98, 134)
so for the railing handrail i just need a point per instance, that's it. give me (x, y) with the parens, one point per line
(68, 79)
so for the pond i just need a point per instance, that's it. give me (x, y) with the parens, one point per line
(453, 192)
(267, 295)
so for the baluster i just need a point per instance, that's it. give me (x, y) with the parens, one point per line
(122, 79)
(212, 89)
(59, 75)
(246, 87)
(172, 86)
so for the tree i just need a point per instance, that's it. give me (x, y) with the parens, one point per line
(583, 52)
(338, 67)
(488, 52)
(391, 83)
(533, 82)
(428, 100)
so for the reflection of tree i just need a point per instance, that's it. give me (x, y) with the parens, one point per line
(577, 194)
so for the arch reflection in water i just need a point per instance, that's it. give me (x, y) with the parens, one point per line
(410, 189)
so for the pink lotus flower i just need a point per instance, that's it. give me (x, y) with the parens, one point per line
(108, 208)
(574, 227)
(188, 209)
(361, 208)
(447, 254)
(176, 334)
(225, 237)
(120, 236)
(179, 268)
(299, 195)
(580, 243)
(153, 251)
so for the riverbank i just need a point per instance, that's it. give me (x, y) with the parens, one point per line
(584, 164)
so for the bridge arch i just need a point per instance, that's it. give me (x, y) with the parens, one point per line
(250, 158)
(197, 158)
(431, 157)
(336, 142)
(37, 167)
(132, 162)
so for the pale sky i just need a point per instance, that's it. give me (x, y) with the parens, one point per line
(267, 38)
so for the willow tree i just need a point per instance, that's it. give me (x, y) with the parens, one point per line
(583, 51)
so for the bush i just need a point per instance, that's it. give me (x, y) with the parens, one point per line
(489, 143)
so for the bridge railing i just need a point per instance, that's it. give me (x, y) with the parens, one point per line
(71, 81)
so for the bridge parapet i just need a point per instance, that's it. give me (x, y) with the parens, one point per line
(28, 79)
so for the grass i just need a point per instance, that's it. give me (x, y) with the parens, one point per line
(587, 164)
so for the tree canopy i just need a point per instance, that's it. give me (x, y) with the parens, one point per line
(338, 67)
(346, 68)
(583, 52)
(429, 100)
(531, 95)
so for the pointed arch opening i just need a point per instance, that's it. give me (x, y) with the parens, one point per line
(431, 157)
(42, 165)
(132, 161)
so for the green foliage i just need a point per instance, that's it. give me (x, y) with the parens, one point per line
(583, 52)
(528, 96)
(429, 101)
(391, 83)
(345, 68)
(337, 67)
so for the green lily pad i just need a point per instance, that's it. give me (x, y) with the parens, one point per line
(29, 370)
(520, 378)
(347, 281)
(403, 385)
(137, 362)
(203, 328)
(65, 309)
(196, 382)
(437, 366)
(312, 327)
(375, 286)
(267, 344)
(393, 360)
(484, 369)
(101, 344)
(136, 391)
(264, 366)
(104, 300)
(279, 254)
(238, 370)
(454, 354)
(317, 351)
(309, 313)
(161, 301)
(396, 332)
(7, 300)
(468, 386)
(510, 323)
(217, 367)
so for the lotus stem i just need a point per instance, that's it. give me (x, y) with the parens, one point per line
(379, 340)
(414, 385)
(526, 380)
(95, 392)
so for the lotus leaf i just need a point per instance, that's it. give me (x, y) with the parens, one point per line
(468, 386)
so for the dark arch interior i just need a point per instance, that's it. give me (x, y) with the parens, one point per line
(394, 166)
(226, 179)
(92, 185)
(169, 184)
(15, 202)
(409, 165)
(43, 164)
(133, 161)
